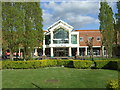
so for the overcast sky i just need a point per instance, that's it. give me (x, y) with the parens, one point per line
(81, 14)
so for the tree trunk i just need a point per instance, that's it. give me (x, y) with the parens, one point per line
(11, 55)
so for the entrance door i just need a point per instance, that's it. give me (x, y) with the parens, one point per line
(60, 52)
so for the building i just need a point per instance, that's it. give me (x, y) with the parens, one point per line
(62, 40)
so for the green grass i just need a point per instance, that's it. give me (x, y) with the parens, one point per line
(64, 78)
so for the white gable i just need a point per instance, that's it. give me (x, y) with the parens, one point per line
(60, 24)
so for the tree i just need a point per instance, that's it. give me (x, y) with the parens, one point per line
(11, 24)
(117, 24)
(90, 46)
(107, 27)
(22, 26)
(33, 33)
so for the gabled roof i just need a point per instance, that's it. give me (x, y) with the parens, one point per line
(58, 22)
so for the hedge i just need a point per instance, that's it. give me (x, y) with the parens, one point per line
(28, 64)
(83, 64)
(107, 64)
(45, 63)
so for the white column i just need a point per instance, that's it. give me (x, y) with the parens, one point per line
(51, 51)
(78, 51)
(85, 50)
(70, 51)
(51, 37)
(36, 53)
(69, 37)
(43, 51)
(19, 52)
(103, 50)
(44, 46)
(44, 40)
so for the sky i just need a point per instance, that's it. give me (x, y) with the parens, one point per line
(81, 14)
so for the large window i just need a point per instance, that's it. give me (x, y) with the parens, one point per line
(74, 39)
(47, 39)
(60, 36)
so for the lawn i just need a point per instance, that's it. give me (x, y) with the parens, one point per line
(57, 77)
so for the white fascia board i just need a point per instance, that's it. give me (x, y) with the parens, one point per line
(67, 24)
(59, 45)
(87, 46)
(60, 26)
(74, 32)
(96, 46)
(74, 45)
(60, 22)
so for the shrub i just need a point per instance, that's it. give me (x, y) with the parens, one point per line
(101, 63)
(83, 64)
(114, 64)
(107, 64)
(28, 64)
(114, 84)
(67, 63)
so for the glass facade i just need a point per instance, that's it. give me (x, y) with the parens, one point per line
(47, 39)
(96, 51)
(60, 52)
(60, 36)
(74, 39)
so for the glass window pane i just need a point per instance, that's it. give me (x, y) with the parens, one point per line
(74, 39)
(60, 36)
(81, 38)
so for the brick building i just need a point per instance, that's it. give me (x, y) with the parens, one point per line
(62, 40)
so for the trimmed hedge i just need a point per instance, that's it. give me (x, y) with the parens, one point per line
(28, 64)
(107, 64)
(99, 64)
(83, 64)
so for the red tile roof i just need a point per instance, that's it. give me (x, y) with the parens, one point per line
(87, 30)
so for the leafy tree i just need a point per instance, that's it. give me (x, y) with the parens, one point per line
(33, 33)
(22, 26)
(117, 24)
(11, 20)
(107, 26)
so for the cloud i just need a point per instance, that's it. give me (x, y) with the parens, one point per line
(78, 14)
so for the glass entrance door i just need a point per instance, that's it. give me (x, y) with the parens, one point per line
(60, 52)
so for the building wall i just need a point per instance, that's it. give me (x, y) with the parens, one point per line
(89, 33)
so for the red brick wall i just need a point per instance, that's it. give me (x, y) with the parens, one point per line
(89, 33)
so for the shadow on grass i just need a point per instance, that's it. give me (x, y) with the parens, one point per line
(37, 86)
